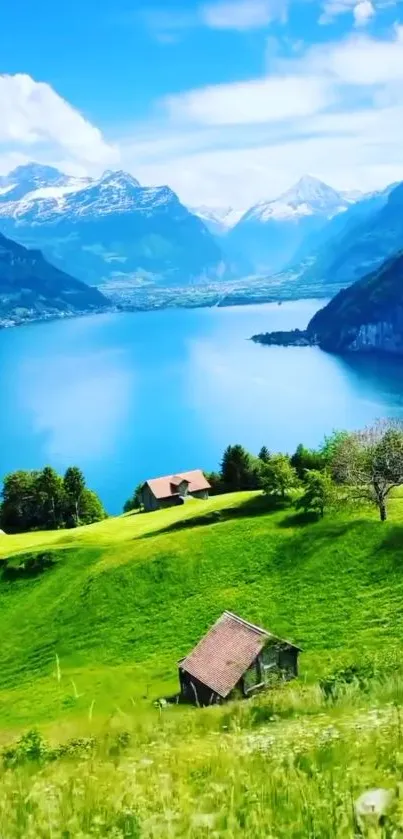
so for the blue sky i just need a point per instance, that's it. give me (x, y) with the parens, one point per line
(228, 101)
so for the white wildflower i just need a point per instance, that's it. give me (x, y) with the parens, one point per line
(373, 804)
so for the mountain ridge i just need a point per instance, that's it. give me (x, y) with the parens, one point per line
(31, 288)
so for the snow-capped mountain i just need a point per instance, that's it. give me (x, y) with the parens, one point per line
(99, 229)
(271, 232)
(309, 197)
(218, 220)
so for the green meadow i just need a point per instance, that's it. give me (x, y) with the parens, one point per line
(89, 643)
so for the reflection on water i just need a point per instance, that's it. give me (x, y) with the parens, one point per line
(136, 395)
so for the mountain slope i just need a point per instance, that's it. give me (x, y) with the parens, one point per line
(372, 231)
(365, 317)
(272, 232)
(129, 596)
(31, 288)
(109, 228)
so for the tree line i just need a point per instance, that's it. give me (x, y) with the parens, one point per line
(348, 468)
(45, 500)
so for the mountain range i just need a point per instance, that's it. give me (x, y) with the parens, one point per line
(31, 288)
(112, 229)
(108, 228)
(141, 242)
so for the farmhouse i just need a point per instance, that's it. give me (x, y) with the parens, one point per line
(173, 489)
(235, 658)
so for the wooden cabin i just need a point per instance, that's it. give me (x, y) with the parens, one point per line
(235, 659)
(172, 490)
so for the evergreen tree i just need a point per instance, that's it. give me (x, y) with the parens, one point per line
(264, 454)
(304, 459)
(237, 469)
(135, 502)
(216, 482)
(74, 486)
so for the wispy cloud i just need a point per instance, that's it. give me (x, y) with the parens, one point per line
(333, 110)
(242, 15)
(168, 25)
(258, 101)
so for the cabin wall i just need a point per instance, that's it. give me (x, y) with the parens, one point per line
(196, 692)
(149, 500)
(200, 493)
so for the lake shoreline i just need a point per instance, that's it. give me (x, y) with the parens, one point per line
(115, 308)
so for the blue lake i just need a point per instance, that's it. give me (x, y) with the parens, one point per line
(132, 396)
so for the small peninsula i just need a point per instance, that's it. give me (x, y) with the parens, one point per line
(366, 317)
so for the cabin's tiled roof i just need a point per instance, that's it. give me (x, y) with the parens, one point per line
(225, 653)
(167, 486)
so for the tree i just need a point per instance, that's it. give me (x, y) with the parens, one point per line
(135, 502)
(370, 463)
(48, 488)
(238, 469)
(74, 486)
(304, 459)
(264, 454)
(91, 507)
(18, 511)
(319, 492)
(215, 481)
(279, 477)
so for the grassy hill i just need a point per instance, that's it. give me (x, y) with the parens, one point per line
(126, 598)
(87, 643)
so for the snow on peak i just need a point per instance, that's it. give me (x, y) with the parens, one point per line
(36, 173)
(118, 179)
(308, 197)
(217, 219)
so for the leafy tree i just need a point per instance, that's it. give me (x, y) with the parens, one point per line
(74, 486)
(91, 508)
(279, 477)
(40, 500)
(319, 492)
(135, 502)
(264, 454)
(238, 469)
(18, 511)
(304, 459)
(331, 444)
(48, 489)
(370, 463)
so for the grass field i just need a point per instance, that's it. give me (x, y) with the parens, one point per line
(86, 646)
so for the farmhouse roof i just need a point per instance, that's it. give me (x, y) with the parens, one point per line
(226, 652)
(167, 486)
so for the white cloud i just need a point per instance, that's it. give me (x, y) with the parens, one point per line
(362, 10)
(335, 111)
(35, 118)
(242, 14)
(257, 101)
